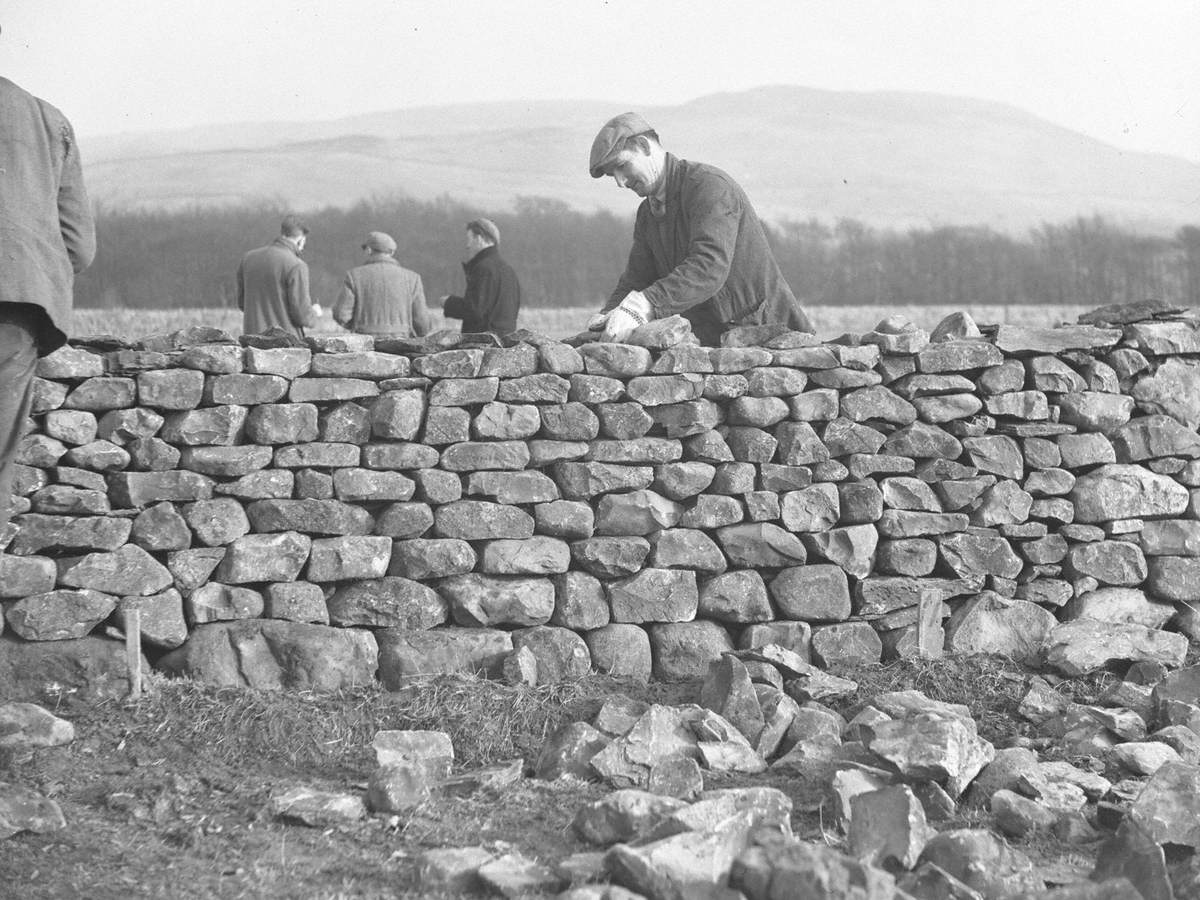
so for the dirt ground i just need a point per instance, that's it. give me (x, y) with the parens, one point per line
(168, 796)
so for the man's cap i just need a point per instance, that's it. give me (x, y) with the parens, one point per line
(487, 227)
(292, 225)
(608, 142)
(379, 242)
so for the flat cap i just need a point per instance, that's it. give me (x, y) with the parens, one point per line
(608, 142)
(486, 227)
(379, 242)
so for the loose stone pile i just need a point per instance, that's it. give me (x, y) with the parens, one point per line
(327, 514)
(897, 782)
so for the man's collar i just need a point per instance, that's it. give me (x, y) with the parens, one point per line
(658, 198)
(290, 245)
(480, 255)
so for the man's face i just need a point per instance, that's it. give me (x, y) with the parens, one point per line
(634, 169)
(475, 243)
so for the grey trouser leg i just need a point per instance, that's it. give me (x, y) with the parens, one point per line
(18, 360)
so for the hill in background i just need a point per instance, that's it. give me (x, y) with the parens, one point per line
(894, 160)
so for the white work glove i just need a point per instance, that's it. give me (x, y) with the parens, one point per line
(633, 312)
(317, 311)
(596, 322)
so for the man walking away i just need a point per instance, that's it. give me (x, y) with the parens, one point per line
(47, 236)
(699, 249)
(272, 283)
(381, 297)
(493, 295)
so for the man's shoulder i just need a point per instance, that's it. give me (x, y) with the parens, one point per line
(258, 253)
(376, 271)
(489, 263)
(274, 255)
(501, 264)
(702, 186)
(393, 270)
(13, 94)
(502, 272)
(704, 174)
(14, 98)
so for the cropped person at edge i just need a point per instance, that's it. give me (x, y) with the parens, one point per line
(47, 236)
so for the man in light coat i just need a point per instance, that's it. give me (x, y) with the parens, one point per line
(47, 236)
(381, 297)
(699, 249)
(272, 283)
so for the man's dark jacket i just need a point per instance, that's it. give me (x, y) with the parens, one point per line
(492, 298)
(707, 258)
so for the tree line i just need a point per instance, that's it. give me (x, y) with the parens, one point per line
(565, 257)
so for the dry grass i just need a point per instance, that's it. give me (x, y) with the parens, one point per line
(991, 687)
(169, 796)
(565, 321)
(486, 720)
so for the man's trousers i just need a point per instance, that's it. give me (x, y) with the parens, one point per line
(18, 360)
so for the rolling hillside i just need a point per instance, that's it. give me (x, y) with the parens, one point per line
(887, 159)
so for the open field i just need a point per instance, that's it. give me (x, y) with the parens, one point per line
(563, 322)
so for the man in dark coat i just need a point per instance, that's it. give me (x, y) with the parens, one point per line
(699, 249)
(47, 236)
(381, 297)
(493, 295)
(272, 283)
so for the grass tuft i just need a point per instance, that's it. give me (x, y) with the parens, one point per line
(486, 720)
(991, 687)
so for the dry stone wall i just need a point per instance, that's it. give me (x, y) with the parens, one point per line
(327, 514)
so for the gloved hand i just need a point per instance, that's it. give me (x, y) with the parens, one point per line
(317, 310)
(596, 322)
(633, 312)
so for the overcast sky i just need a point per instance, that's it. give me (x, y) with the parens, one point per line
(1125, 72)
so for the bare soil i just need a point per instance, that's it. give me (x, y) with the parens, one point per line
(168, 796)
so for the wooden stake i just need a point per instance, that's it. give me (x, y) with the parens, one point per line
(133, 650)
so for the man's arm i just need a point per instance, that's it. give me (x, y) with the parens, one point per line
(343, 307)
(74, 212)
(639, 270)
(241, 286)
(299, 305)
(715, 213)
(481, 294)
(421, 320)
(454, 307)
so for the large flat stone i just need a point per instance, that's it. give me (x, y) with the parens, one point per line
(1122, 491)
(1085, 645)
(43, 671)
(405, 654)
(268, 654)
(495, 600)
